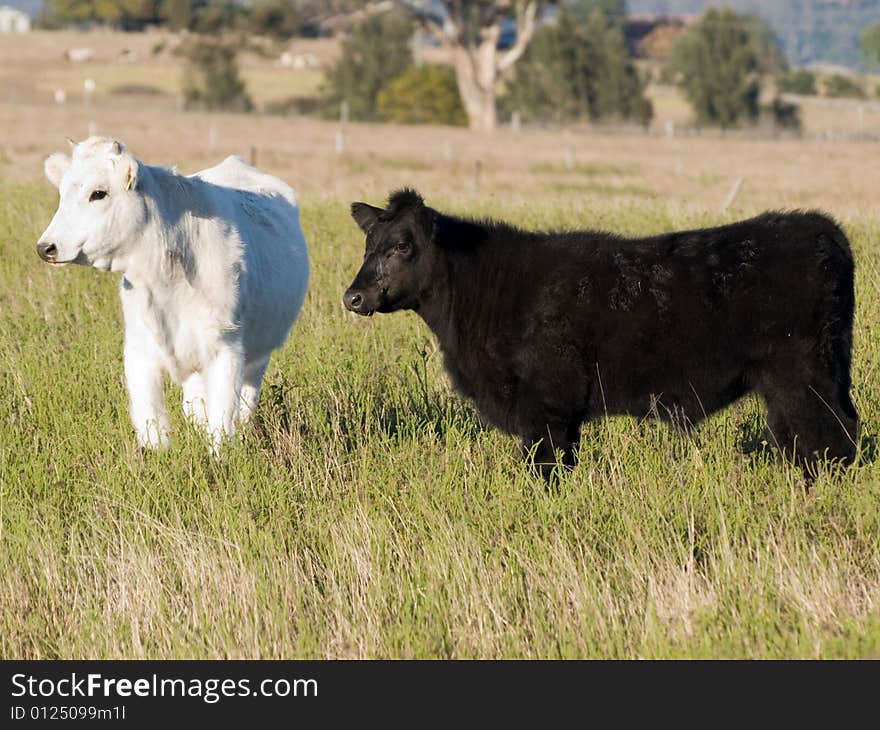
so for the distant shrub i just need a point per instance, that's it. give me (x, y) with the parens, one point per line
(294, 106)
(839, 85)
(136, 90)
(260, 46)
(797, 82)
(211, 79)
(426, 95)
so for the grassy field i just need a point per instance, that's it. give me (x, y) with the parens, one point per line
(368, 512)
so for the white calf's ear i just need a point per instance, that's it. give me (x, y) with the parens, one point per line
(55, 166)
(128, 167)
(131, 176)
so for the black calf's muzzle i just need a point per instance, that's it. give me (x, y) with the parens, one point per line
(356, 302)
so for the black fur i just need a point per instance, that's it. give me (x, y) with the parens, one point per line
(544, 331)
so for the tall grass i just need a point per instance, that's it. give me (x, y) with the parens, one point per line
(369, 513)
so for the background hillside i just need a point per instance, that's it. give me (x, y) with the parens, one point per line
(811, 31)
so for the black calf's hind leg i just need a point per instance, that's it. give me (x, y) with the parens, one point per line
(778, 432)
(819, 419)
(824, 430)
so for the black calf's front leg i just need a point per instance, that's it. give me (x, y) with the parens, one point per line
(541, 447)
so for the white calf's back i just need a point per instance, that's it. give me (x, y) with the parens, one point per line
(236, 174)
(233, 261)
(273, 256)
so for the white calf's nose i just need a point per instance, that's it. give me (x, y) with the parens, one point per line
(47, 251)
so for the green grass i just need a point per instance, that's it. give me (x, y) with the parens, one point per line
(368, 513)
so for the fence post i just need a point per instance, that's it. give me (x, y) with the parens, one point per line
(731, 196)
(475, 190)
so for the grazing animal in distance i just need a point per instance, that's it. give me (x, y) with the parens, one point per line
(214, 272)
(544, 331)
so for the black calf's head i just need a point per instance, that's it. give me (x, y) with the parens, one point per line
(400, 255)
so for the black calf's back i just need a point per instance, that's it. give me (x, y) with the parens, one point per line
(545, 331)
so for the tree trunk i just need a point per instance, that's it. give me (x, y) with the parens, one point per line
(477, 63)
(476, 72)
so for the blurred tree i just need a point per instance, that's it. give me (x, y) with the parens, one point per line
(281, 18)
(424, 95)
(718, 63)
(574, 71)
(126, 14)
(177, 14)
(278, 19)
(870, 45)
(377, 52)
(471, 31)
(211, 79)
(613, 11)
(552, 81)
(212, 18)
(619, 91)
(765, 45)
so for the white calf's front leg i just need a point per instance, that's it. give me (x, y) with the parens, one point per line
(250, 388)
(143, 373)
(195, 404)
(143, 376)
(223, 379)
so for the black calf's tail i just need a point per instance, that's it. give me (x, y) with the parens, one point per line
(839, 269)
(836, 337)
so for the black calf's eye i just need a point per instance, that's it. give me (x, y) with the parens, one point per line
(403, 247)
(97, 195)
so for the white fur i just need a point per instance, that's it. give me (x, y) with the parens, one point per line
(214, 266)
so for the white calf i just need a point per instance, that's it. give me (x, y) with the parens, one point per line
(214, 272)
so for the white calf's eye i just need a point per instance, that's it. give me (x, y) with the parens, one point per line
(97, 195)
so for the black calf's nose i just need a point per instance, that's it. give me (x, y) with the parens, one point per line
(47, 251)
(353, 300)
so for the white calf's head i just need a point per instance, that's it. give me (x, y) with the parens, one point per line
(100, 213)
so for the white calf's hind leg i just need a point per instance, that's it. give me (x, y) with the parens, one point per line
(250, 388)
(223, 379)
(195, 405)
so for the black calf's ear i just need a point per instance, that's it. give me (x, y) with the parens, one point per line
(427, 219)
(365, 215)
